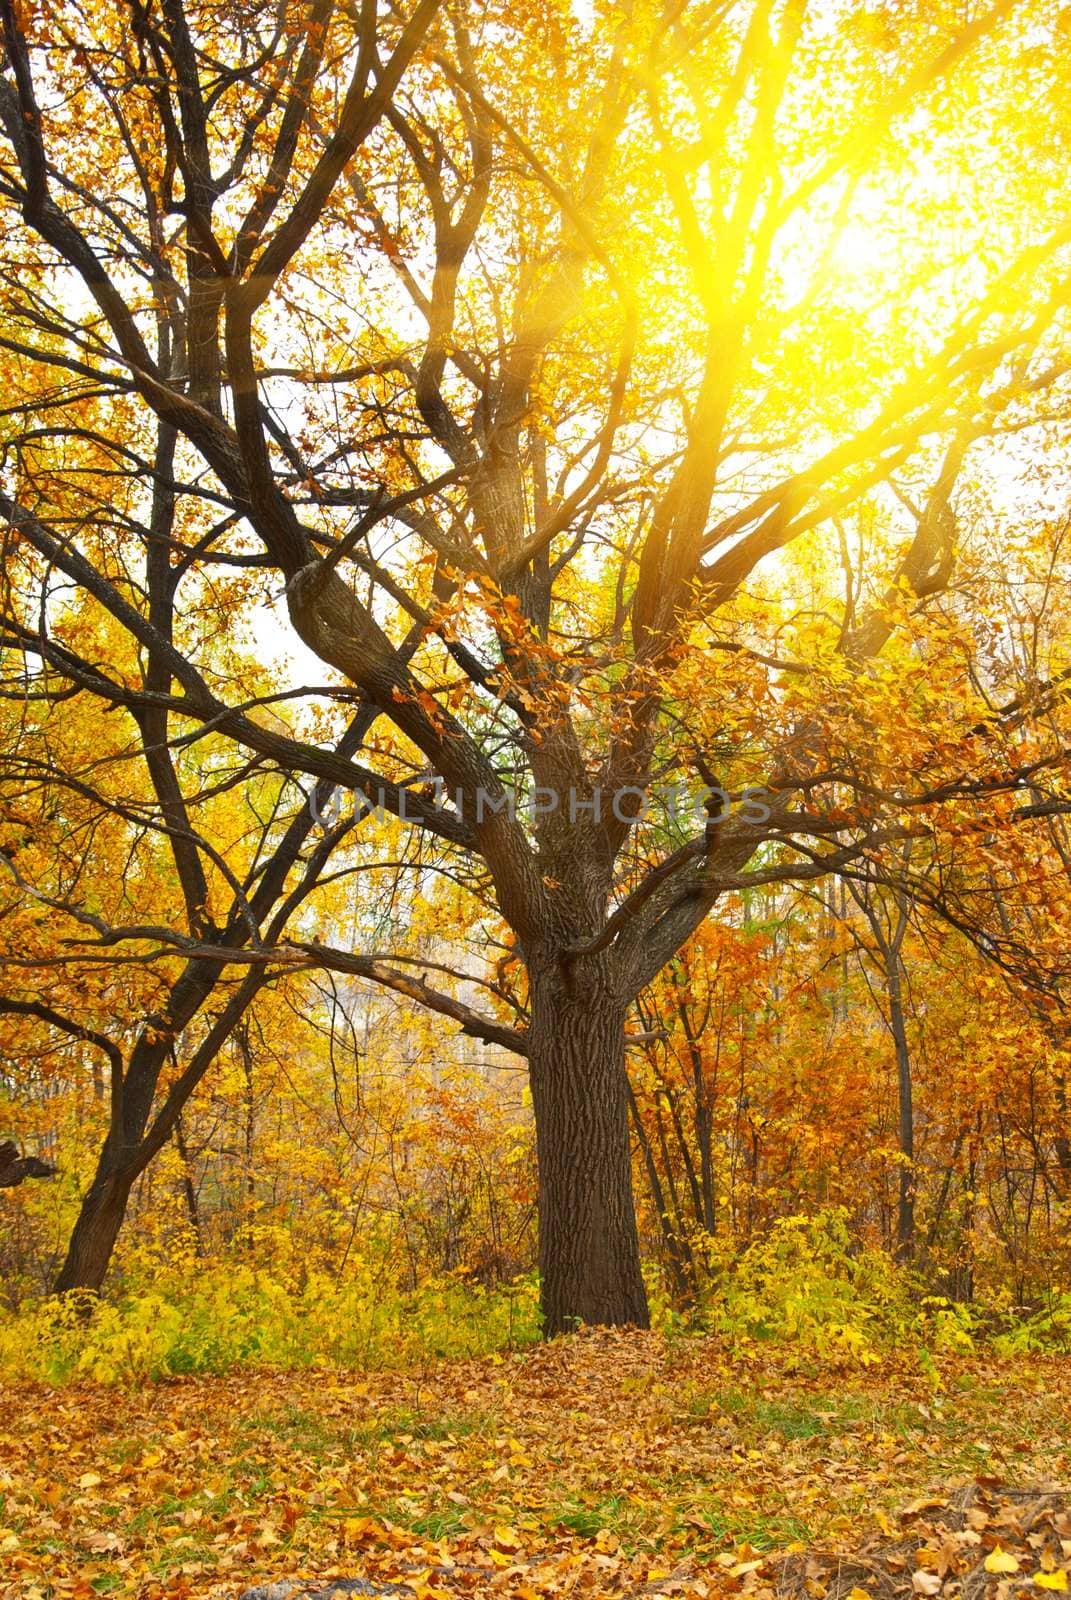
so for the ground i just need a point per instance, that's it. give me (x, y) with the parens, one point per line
(619, 1464)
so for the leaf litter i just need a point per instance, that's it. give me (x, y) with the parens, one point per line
(611, 1463)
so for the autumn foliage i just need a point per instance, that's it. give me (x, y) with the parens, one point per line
(534, 794)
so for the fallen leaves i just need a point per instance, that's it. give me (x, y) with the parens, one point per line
(962, 1558)
(633, 1467)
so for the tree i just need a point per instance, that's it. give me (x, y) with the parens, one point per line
(514, 344)
(193, 1001)
(218, 846)
(888, 923)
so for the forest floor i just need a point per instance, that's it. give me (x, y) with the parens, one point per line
(607, 1464)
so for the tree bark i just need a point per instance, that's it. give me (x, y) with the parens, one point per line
(674, 1241)
(589, 1252)
(132, 1142)
(905, 1210)
(189, 1187)
(96, 1230)
(104, 1205)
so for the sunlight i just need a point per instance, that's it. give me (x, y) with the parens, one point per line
(864, 250)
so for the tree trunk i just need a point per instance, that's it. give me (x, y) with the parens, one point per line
(128, 1147)
(905, 1211)
(96, 1230)
(104, 1204)
(589, 1253)
(674, 1241)
(189, 1187)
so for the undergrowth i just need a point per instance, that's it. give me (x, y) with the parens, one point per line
(226, 1317)
(806, 1286)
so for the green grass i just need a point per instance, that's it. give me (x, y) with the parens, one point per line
(763, 1532)
(171, 1559)
(305, 1432)
(613, 1513)
(662, 1522)
(755, 1417)
(435, 1524)
(165, 1510)
(791, 1421)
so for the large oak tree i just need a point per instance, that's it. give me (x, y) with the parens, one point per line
(504, 348)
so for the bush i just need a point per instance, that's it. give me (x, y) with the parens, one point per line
(809, 1283)
(1048, 1331)
(224, 1317)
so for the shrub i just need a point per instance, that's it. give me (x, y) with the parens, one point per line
(1047, 1331)
(224, 1317)
(810, 1284)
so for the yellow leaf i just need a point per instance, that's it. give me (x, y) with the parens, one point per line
(89, 1480)
(507, 1538)
(999, 1560)
(360, 1529)
(1051, 1580)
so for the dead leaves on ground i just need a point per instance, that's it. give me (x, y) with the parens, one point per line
(609, 1464)
(987, 1541)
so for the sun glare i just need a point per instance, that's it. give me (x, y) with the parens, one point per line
(862, 250)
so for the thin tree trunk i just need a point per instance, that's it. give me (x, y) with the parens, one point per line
(104, 1205)
(589, 1252)
(889, 933)
(189, 1188)
(905, 1211)
(1061, 1142)
(946, 1189)
(704, 1133)
(677, 1251)
(131, 1143)
(704, 1120)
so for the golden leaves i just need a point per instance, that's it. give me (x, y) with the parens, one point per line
(1001, 1560)
(617, 1481)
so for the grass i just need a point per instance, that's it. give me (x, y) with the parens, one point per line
(419, 1425)
(761, 1532)
(821, 1416)
(437, 1524)
(612, 1514)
